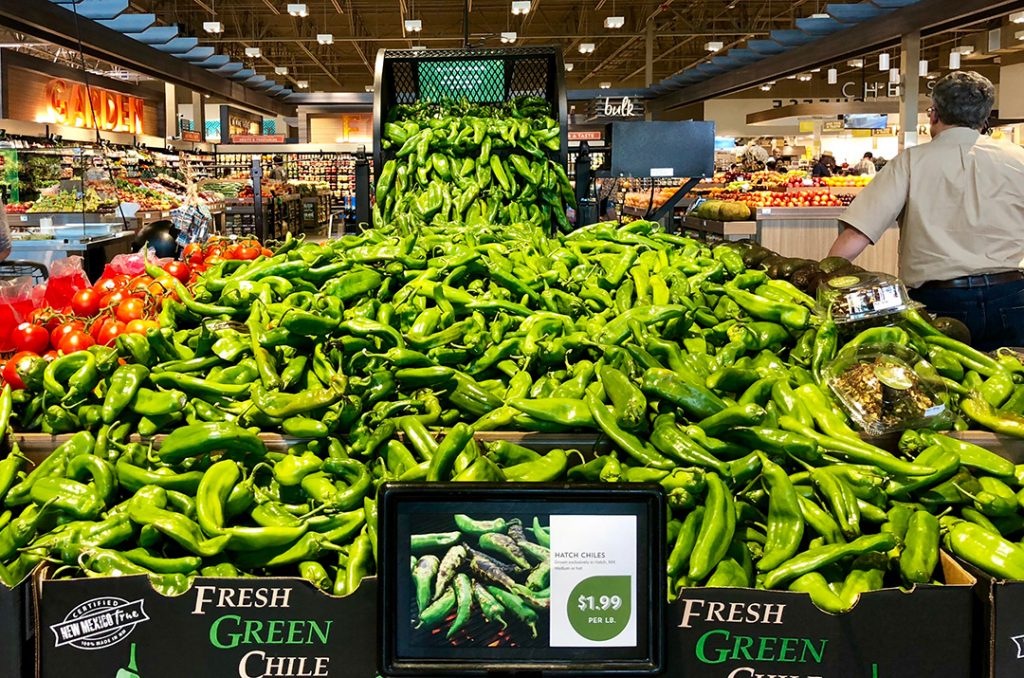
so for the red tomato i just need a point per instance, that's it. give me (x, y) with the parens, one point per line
(10, 371)
(30, 337)
(191, 251)
(140, 284)
(86, 302)
(114, 298)
(105, 285)
(247, 252)
(75, 341)
(65, 329)
(215, 259)
(139, 326)
(130, 309)
(109, 331)
(179, 270)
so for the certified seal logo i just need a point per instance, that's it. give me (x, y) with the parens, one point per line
(99, 623)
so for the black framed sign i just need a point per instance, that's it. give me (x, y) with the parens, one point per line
(479, 579)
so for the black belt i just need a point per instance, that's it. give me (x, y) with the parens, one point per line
(972, 281)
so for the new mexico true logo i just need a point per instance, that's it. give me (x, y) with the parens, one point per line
(99, 623)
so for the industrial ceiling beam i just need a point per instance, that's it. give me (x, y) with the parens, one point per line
(927, 16)
(51, 22)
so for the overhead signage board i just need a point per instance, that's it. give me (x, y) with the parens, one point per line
(620, 108)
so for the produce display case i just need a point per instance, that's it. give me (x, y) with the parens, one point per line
(484, 76)
(281, 214)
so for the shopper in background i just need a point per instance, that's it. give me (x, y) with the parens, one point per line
(821, 168)
(5, 233)
(866, 166)
(278, 173)
(960, 204)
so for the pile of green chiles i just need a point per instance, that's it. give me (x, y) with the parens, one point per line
(473, 164)
(382, 354)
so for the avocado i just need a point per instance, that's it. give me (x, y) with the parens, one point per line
(832, 264)
(952, 328)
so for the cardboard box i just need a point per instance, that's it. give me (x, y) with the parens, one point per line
(747, 633)
(17, 656)
(271, 626)
(999, 626)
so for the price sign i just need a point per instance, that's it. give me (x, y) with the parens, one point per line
(565, 579)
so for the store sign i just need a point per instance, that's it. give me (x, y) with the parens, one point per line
(832, 126)
(618, 107)
(189, 135)
(257, 139)
(588, 135)
(71, 103)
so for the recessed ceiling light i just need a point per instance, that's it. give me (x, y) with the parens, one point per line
(815, 70)
(413, 25)
(509, 37)
(804, 77)
(302, 84)
(614, 22)
(298, 9)
(714, 45)
(253, 52)
(521, 7)
(281, 70)
(568, 66)
(606, 85)
(325, 38)
(586, 47)
(213, 27)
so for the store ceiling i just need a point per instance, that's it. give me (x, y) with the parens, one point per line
(360, 27)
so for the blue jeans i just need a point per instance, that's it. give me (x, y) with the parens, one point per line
(994, 314)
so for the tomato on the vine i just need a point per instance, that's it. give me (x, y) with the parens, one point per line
(114, 298)
(65, 329)
(30, 337)
(247, 252)
(179, 270)
(140, 284)
(105, 285)
(139, 326)
(10, 371)
(109, 331)
(86, 302)
(130, 309)
(74, 342)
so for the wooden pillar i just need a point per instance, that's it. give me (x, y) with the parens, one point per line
(910, 80)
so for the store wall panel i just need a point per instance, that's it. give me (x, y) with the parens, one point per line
(1011, 94)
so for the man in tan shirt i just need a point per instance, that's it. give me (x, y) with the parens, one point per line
(959, 201)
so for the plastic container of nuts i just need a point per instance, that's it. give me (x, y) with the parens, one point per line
(861, 300)
(878, 387)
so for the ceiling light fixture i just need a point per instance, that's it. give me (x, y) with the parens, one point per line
(302, 84)
(586, 47)
(954, 60)
(368, 88)
(1017, 18)
(714, 45)
(325, 38)
(965, 50)
(855, 63)
(820, 15)
(922, 68)
(1019, 35)
(413, 25)
(606, 85)
(767, 86)
(418, 48)
(804, 77)
(883, 61)
(568, 65)
(298, 9)
(213, 27)
(521, 7)
(894, 76)
(253, 52)
(614, 22)
(933, 75)
(833, 76)
(281, 70)
(509, 37)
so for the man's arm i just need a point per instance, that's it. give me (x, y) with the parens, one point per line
(849, 244)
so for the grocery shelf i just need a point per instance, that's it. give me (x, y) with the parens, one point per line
(725, 229)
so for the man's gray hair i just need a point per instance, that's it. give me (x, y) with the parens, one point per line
(964, 99)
